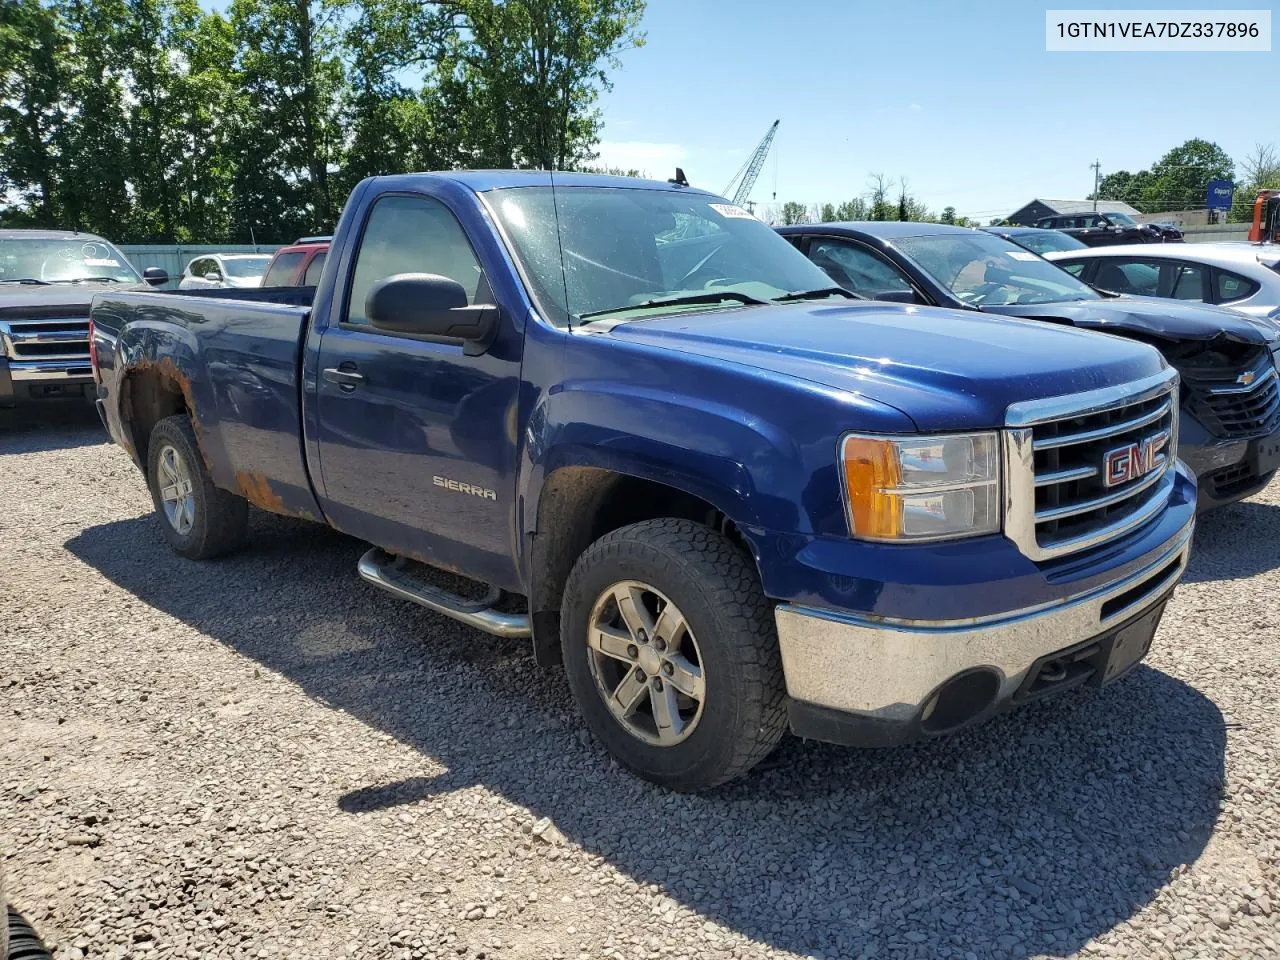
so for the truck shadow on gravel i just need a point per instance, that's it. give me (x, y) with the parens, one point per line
(1030, 835)
(1235, 542)
(51, 425)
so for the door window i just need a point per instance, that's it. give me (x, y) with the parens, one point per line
(1188, 282)
(1075, 269)
(412, 235)
(1231, 287)
(1168, 279)
(858, 269)
(283, 270)
(313, 270)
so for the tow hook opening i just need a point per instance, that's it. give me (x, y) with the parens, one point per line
(960, 700)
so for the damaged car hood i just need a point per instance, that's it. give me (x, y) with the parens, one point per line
(1149, 317)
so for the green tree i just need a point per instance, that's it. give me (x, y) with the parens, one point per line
(793, 212)
(284, 132)
(514, 83)
(387, 122)
(34, 49)
(878, 190)
(146, 40)
(93, 149)
(204, 100)
(1180, 178)
(948, 215)
(828, 213)
(855, 209)
(1260, 170)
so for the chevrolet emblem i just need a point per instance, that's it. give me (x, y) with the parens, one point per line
(1246, 378)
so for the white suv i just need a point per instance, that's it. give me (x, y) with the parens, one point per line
(224, 270)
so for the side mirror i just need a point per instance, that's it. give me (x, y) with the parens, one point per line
(155, 276)
(896, 296)
(427, 305)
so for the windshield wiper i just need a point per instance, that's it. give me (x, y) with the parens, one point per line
(815, 294)
(31, 280)
(720, 296)
(89, 280)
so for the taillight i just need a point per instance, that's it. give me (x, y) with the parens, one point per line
(93, 353)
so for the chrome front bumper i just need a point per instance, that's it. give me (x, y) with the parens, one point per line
(888, 671)
(50, 371)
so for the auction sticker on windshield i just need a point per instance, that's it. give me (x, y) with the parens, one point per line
(1022, 255)
(733, 211)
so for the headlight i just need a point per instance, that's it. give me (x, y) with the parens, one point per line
(922, 488)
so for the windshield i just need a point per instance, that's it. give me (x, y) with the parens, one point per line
(1047, 240)
(620, 247)
(983, 269)
(1123, 219)
(63, 260)
(245, 266)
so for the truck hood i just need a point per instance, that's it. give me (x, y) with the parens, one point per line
(945, 369)
(16, 297)
(1171, 320)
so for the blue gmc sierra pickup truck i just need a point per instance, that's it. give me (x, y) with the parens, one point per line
(726, 496)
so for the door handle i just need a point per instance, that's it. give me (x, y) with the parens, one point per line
(347, 379)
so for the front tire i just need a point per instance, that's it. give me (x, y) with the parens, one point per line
(24, 942)
(199, 520)
(671, 654)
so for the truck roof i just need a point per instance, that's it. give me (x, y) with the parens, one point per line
(48, 235)
(482, 180)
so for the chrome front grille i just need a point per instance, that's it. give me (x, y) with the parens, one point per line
(54, 338)
(1237, 403)
(1085, 469)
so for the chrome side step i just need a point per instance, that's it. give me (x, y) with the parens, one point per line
(383, 570)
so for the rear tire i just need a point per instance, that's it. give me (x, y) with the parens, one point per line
(712, 728)
(24, 942)
(199, 520)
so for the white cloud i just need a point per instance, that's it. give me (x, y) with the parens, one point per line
(915, 108)
(654, 159)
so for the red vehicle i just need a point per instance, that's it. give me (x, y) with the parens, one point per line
(1266, 218)
(299, 264)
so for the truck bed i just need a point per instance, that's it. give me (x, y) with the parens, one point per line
(288, 296)
(234, 356)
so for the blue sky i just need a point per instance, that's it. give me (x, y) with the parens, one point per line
(960, 98)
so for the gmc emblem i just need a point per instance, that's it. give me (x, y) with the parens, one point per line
(1134, 460)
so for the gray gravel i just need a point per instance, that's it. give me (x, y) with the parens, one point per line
(265, 757)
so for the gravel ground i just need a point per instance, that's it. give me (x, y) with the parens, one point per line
(266, 757)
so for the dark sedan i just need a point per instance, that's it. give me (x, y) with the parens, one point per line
(1104, 229)
(1229, 431)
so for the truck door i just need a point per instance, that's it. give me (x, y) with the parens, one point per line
(416, 440)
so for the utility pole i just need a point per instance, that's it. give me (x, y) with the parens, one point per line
(1097, 179)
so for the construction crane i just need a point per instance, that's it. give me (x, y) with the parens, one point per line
(746, 177)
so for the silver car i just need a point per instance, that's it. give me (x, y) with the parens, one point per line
(224, 270)
(1242, 276)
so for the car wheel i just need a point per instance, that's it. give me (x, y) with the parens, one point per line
(671, 653)
(24, 942)
(199, 520)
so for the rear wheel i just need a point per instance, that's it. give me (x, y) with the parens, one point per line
(199, 520)
(671, 653)
(24, 942)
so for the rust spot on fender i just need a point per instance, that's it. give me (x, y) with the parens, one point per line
(256, 488)
(171, 375)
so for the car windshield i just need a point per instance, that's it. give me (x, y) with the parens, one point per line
(983, 269)
(619, 248)
(243, 267)
(1046, 241)
(63, 260)
(1122, 219)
